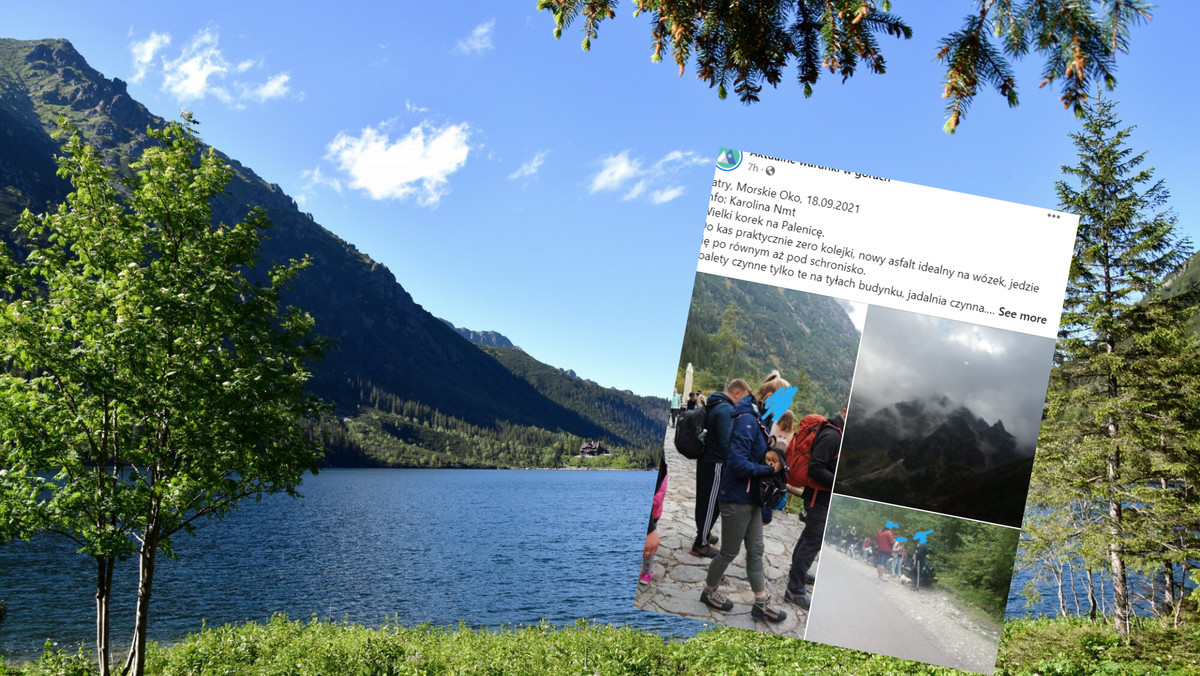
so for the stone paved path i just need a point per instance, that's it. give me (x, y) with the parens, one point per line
(679, 576)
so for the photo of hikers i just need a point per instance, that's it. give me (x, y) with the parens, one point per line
(749, 456)
(912, 584)
(945, 416)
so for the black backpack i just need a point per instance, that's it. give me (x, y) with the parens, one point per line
(770, 490)
(690, 432)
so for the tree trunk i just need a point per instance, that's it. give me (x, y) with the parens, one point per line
(1062, 600)
(1091, 596)
(104, 574)
(1182, 597)
(1185, 574)
(1121, 602)
(1074, 589)
(1103, 598)
(135, 665)
(1168, 599)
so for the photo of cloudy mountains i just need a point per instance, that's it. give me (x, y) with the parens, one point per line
(944, 416)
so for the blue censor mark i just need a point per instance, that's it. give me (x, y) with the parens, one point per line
(920, 535)
(779, 402)
(890, 524)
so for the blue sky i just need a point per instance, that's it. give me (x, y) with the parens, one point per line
(514, 183)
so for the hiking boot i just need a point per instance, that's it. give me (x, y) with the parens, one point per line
(707, 551)
(800, 599)
(716, 599)
(713, 539)
(763, 611)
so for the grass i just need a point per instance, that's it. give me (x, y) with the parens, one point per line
(293, 647)
(1073, 647)
(317, 648)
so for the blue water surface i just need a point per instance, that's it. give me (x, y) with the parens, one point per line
(483, 547)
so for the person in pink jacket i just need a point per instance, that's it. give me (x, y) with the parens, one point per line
(656, 509)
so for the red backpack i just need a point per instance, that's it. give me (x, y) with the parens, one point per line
(799, 452)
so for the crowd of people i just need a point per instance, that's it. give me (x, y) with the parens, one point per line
(894, 557)
(744, 443)
(746, 440)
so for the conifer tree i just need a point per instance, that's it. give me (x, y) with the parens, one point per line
(748, 44)
(1119, 422)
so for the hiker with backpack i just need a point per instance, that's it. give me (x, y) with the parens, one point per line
(741, 516)
(920, 570)
(813, 475)
(718, 427)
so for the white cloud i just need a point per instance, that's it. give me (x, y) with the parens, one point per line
(531, 167)
(413, 108)
(614, 171)
(187, 77)
(666, 194)
(315, 177)
(143, 53)
(419, 164)
(974, 339)
(271, 89)
(658, 182)
(678, 159)
(201, 69)
(479, 41)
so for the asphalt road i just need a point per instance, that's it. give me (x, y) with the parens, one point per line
(853, 609)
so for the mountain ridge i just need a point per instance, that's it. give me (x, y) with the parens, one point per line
(489, 338)
(385, 339)
(934, 453)
(777, 329)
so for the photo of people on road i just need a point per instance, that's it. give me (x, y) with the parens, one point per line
(912, 584)
(740, 526)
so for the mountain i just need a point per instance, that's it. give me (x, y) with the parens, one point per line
(638, 420)
(1184, 277)
(488, 338)
(777, 328)
(389, 347)
(937, 455)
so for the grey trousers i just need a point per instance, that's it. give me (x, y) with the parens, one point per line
(739, 524)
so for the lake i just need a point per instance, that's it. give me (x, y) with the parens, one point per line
(484, 547)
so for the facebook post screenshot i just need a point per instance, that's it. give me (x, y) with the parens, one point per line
(856, 410)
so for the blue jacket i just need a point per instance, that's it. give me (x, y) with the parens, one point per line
(719, 423)
(747, 446)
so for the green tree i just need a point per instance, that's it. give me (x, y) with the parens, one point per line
(1119, 429)
(1063, 528)
(727, 337)
(749, 44)
(144, 370)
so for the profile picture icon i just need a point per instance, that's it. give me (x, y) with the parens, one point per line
(728, 160)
